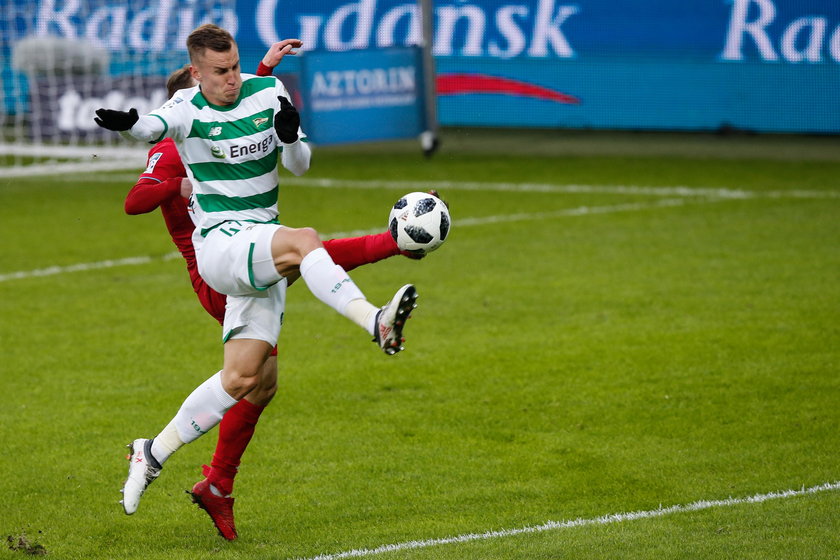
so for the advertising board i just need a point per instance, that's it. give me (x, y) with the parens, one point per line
(362, 95)
(758, 65)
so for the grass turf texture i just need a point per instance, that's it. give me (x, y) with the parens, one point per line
(557, 368)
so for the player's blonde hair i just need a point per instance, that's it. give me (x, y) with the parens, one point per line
(208, 36)
(179, 79)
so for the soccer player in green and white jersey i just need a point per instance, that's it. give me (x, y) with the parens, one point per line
(223, 128)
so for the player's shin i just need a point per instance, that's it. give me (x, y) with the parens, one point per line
(201, 410)
(331, 284)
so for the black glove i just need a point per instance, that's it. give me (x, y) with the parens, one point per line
(116, 120)
(287, 121)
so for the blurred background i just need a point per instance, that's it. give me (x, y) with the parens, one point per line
(754, 66)
(645, 243)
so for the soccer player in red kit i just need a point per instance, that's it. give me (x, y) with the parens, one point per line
(164, 184)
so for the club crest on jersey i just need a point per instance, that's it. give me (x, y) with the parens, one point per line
(259, 121)
(215, 131)
(218, 152)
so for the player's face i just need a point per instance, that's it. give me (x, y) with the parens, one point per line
(218, 74)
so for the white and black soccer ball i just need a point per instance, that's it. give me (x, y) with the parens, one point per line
(419, 222)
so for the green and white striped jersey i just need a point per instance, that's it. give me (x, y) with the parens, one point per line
(230, 152)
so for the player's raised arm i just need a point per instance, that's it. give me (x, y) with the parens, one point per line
(275, 54)
(296, 154)
(130, 125)
(117, 121)
(153, 127)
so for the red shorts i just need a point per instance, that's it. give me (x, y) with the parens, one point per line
(214, 303)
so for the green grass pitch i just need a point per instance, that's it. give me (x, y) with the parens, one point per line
(617, 323)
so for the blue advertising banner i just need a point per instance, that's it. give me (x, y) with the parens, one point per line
(361, 95)
(761, 65)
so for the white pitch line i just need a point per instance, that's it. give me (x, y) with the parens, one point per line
(464, 222)
(522, 217)
(580, 522)
(81, 267)
(443, 186)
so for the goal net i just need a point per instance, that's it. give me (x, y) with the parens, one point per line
(60, 60)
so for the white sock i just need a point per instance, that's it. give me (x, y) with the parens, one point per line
(363, 313)
(202, 410)
(330, 283)
(166, 442)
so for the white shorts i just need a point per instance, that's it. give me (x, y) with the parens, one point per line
(235, 259)
(259, 316)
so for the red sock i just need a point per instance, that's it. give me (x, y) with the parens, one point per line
(235, 432)
(350, 252)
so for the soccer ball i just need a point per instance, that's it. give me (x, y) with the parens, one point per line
(419, 223)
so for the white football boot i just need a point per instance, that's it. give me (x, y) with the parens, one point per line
(390, 320)
(143, 469)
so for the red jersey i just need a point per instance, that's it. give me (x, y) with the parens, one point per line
(160, 186)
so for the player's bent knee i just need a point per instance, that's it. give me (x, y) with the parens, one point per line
(262, 395)
(267, 387)
(308, 240)
(289, 246)
(239, 383)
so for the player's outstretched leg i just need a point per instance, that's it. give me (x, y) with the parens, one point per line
(390, 320)
(219, 508)
(143, 469)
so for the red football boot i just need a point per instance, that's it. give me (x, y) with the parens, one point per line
(220, 509)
